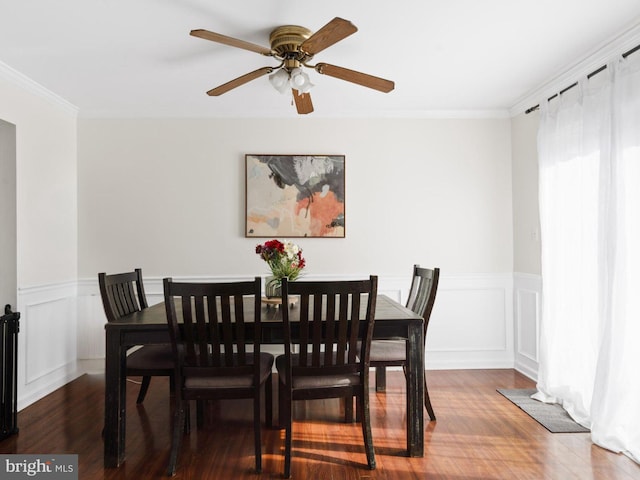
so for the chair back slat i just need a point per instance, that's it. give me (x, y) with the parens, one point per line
(316, 339)
(213, 334)
(330, 334)
(124, 298)
(211, 331)
(343, 330)
(330, 327)
(189, 334)
(304, 328)
(355, 327)
(122, 293)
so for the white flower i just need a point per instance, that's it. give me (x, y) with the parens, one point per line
(291, 250)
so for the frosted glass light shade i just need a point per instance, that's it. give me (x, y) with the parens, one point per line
(280, 80)
(300, 80)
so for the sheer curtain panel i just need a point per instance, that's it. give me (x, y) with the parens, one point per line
(589, 174)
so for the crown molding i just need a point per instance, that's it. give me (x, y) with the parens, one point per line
(20, 80)
(599, 56)
(383, 115)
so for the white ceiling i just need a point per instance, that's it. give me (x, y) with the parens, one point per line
(136, 57)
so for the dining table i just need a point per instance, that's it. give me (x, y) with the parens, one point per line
(149, 326)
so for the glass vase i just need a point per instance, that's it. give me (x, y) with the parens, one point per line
(273, 287)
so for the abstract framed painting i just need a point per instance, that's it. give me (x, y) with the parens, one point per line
(295, 196)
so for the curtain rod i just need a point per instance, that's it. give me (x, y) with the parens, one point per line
(595, 72)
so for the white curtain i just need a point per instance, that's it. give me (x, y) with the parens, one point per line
(589, 174)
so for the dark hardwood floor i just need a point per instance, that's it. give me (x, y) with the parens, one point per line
(479, 435)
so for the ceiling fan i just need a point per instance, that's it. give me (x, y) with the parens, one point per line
(294, 47)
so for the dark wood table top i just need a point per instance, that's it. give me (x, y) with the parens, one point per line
(387, 311)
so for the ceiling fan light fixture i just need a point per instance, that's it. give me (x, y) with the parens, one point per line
(300, 80)
(280, 80)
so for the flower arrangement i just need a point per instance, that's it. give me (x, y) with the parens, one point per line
(284, 260)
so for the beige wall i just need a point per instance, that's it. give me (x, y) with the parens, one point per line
(168, 195)
(46, 182)
(526, 222)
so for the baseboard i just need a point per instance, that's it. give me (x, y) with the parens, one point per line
(47, 385)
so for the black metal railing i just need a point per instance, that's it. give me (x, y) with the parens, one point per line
(9, 328)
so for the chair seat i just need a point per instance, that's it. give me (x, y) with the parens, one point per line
(151, 357)
(242, 381)
(388, 351)
(315, 381)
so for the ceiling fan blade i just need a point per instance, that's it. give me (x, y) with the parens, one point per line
(236, 82)
(352, 76)
(233, 42)
(303, 102)
(334, 31)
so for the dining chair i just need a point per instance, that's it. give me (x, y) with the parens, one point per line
(332, 340)
(122, 294)
(215, 339)
(388, 353)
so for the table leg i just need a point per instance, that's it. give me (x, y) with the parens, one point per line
(114, 400)
(381, 379)
(415, 391)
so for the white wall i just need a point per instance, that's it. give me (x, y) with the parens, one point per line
(168, 196)
(526, 216)
(526, 242)
(46, 182)
(46, 218)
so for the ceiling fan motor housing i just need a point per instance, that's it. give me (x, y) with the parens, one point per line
(285, 42)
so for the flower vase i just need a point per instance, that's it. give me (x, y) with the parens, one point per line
(273, 287)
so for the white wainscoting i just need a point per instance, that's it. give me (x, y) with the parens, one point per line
(527, 311)
(47, 341)
(471, 325)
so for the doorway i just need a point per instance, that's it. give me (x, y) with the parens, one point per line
(8, 236)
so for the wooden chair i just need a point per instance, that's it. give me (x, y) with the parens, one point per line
(387, 353)
(333, 339)
(216, 346)
(122, 294)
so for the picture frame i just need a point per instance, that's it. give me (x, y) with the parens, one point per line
(295, 196)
